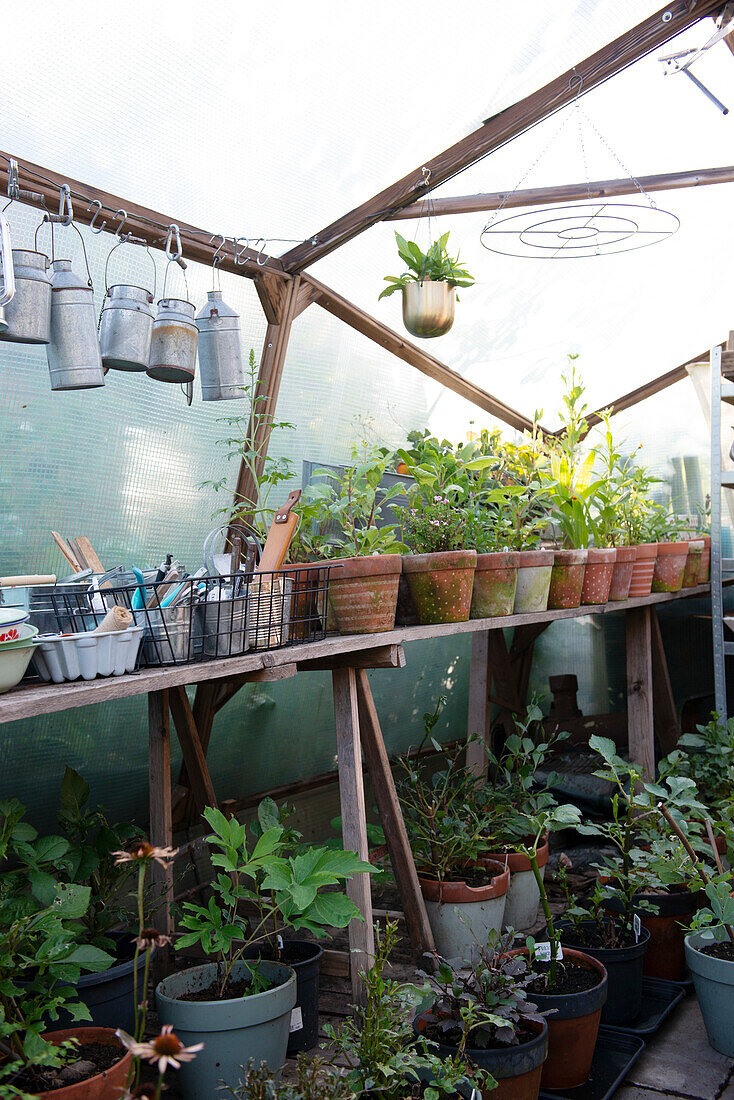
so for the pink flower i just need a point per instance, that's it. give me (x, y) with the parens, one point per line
(166, 1049)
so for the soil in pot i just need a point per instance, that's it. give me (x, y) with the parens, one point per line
(567, 579)
(571, 977)
(363, 593)
(643, 569)
(462, 915)
(534, 569)
(723, 950)
(517, 1068)
(495, 582)
(99, 1072)
(598, 574)
(623, 963)
(574, 1025)
(305, 958)
(622, 576)
(669, 566)
(441, 585)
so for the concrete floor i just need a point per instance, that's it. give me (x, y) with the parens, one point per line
(679, 1062)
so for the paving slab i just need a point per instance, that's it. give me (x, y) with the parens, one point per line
(679, 1061)
(635, 1092)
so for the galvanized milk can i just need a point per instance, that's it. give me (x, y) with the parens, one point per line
(126, 328)
(73, 354)
(28, 313)
(8, 284)
(221, 373)
(173, 347)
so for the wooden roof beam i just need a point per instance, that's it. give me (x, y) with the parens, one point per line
(427, 364)
(571, 192)
(503, 127)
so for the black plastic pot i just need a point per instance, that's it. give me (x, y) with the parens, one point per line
(305, 958)
(109, 994)
(624, 972)
(665, 916)
(516, 1069)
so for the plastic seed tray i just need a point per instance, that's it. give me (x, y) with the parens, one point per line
(659, 998)
(615, 1054)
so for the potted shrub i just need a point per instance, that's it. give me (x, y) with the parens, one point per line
(482, 1012)
(464, 891)
(362, 547)
(428, 286)
(439, 568)
(242, 1009)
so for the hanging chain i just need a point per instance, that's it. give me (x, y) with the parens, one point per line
(618, 159)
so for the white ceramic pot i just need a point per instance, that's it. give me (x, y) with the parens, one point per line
(458, 913)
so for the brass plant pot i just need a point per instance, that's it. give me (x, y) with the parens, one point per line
(428, 308)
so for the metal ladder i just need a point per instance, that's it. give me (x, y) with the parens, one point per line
(721, 390)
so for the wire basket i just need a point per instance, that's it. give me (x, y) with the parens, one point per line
(205, 618)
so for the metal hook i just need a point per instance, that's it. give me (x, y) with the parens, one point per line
(173, 240)
(572, 83)
(66, 210)
(98, 204)
(240, 249)
(262, 250)
(118, 229)
(13, 179)
(219, 251)
(426, 175)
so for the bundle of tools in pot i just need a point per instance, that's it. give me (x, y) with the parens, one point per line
(44, 301)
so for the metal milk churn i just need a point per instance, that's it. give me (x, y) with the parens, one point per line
(73, 354)
(221, 373)
(28, 313)
(7, 290)
(173, 347)
(126, 328)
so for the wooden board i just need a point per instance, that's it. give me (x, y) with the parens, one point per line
(639, 691)
(161, 829)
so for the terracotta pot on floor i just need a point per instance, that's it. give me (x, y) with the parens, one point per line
(462, 916)
(441, 585)
(363, 593)
(643, 570)
(567, 579)
(669, 566)
(108, 1085)
(693, 563)
(704, 566)
(598, 574)
(495, 581)
(622, 575)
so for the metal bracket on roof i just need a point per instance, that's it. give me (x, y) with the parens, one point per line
(681, 60)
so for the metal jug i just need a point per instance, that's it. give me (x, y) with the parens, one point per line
(126, 328)
(173, 347)
(221, 372)
(8, 283)
(28, 313)
(73, 354)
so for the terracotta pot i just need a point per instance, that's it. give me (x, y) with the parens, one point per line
(567, 579)
(516, 1069)
(523, 897)
(534, 569)
(598, 574)
(693, 563)
(704, 565)
(643, 570)
(108, 1085)
(441, 585)
(622, 575)
(462, 916)
(363, 593)
(495, 582)
(573, 1027)
(669, 566)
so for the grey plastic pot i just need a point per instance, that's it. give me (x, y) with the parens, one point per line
(232, 1031)
(714, 982)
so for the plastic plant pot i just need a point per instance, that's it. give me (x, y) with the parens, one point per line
(108, 1085)
(664, 916)
(598, 574)
(495, 582)
(456, 910)
(567, 579)
(622, 575)
(643, 570)
(523, 897)
(714, 982)
(305, 958)
(534, 568)
(669, 566)
(233, 1031)
(624, 971)
(363, 593)
(441, 585)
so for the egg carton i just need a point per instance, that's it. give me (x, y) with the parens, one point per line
(61, 657)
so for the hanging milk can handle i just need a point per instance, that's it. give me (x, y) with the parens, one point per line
(6, 254)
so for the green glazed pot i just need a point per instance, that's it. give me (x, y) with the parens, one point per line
(714, 982)
(232, 1031)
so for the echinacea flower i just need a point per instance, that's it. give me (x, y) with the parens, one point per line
(145, 852)
(151, 937)
(165, 1049)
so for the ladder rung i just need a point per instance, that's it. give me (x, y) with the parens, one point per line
(729, 649)
(727, 479)
(727, 392)
(727, 565)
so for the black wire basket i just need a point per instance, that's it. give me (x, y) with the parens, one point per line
(205, 618)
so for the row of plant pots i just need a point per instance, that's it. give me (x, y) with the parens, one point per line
(457, 585)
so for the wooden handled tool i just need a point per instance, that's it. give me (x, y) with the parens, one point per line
(280, 535)
(89, 554)
(67, 552)
(29, 579)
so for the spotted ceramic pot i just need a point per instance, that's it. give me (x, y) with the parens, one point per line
(441, 585)
(567, 579)
(598, 574)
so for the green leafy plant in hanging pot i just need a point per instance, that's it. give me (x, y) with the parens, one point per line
(428, 286)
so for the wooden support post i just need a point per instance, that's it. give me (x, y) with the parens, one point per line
(478, 718)
(197, 772)
(640, 690)
(383, 788)
(204, 712)
(159, 780)
(354, 822)
(665, 715)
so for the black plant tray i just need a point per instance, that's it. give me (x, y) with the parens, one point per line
(614, 1055)
(659, 998)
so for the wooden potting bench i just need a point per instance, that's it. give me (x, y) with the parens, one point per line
(498, 675)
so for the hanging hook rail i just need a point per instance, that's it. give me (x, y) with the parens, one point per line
(65, 215)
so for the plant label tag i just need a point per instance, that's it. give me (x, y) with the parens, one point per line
(296, 1019)
(637, 925)
(542, 952)
(279, 938)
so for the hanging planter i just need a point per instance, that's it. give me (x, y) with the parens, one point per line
(428, 287)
